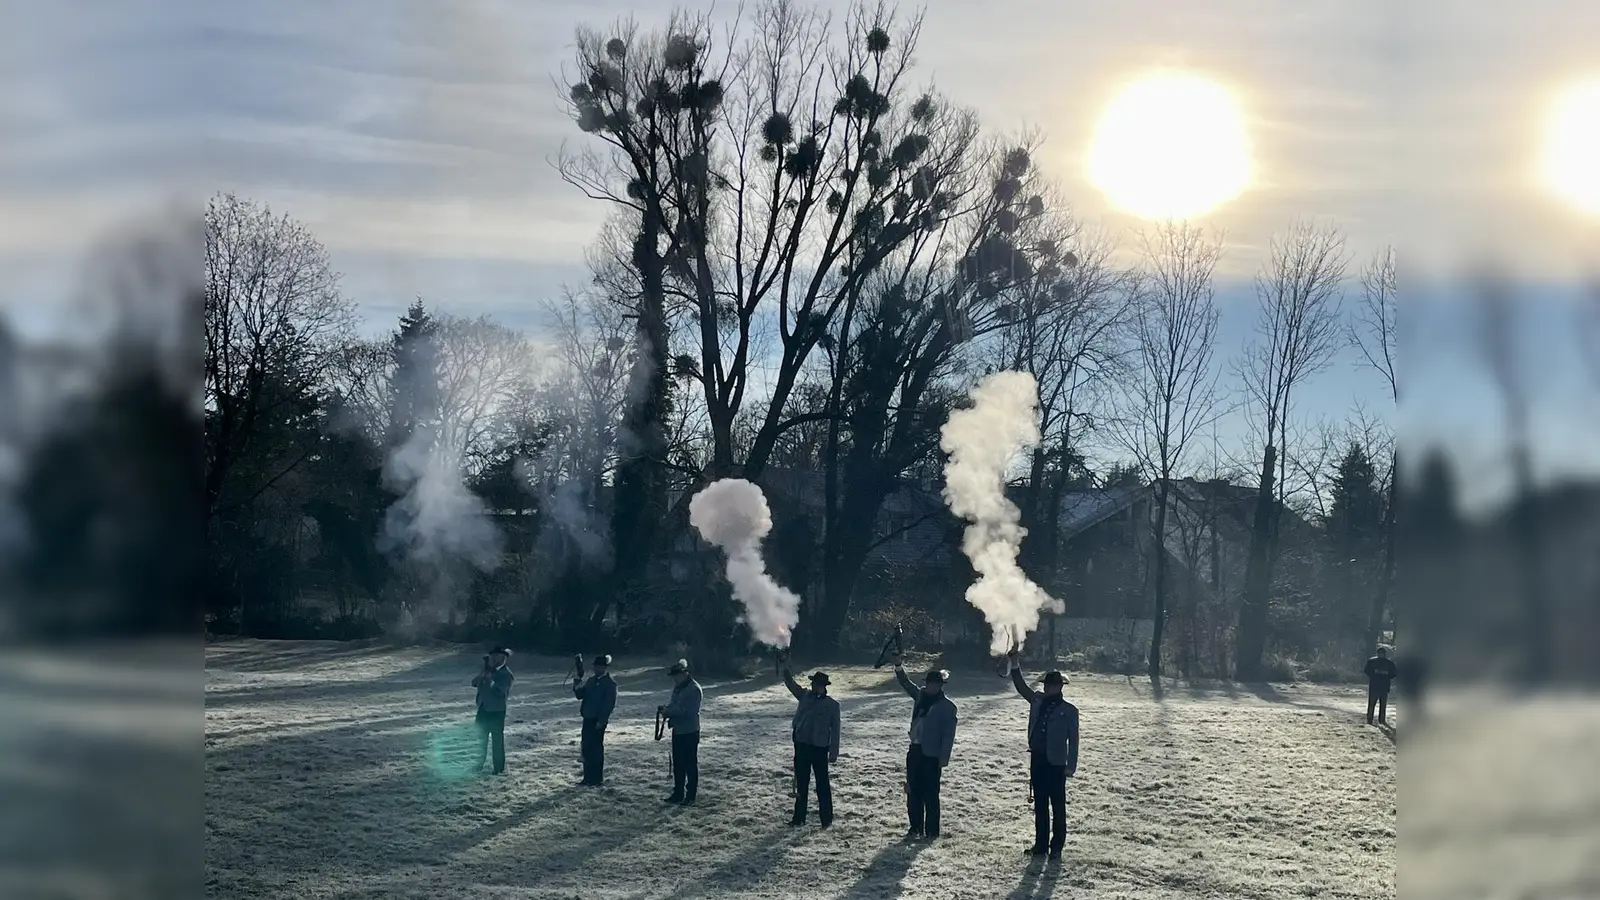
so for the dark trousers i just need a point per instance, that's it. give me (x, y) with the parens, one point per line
(492, 726)
(685, 765)
(922, 791)
(1049, 802)
(1378, 697)
(809, 759)
(593, 748)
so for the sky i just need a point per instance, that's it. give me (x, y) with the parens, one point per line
(416, 138)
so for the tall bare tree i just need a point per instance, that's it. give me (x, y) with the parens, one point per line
(1373, 332)
(1299, 291)
(1171, 397)
(1073, 338)
(782, 172)
(274, 320)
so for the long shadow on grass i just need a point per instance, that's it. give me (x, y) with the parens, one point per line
(1037, 883)
(751, 867)
(884, 877)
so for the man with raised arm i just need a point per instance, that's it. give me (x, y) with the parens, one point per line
(494, 689)
(815, 729)
(1052, 754)
(598, 698)
(933, 736)
(683, 717)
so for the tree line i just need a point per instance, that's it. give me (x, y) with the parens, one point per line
(808, 257)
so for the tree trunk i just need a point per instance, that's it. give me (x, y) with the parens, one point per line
(1380, 599)
(1159, 624)
(846, 548)
(640, 501)
(1251, 636)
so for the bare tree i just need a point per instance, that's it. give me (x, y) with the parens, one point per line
(1373, 328)
(1171, 397)
(779, 175)
(1374, 333)
(1299, 292)
(484, 368)
(274, 319)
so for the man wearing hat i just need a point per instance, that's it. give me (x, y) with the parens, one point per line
(1053, 756)
(815, 729)
(933, 736)
(1381, 673)
(494, 687)
(598, 698)
(683, 717)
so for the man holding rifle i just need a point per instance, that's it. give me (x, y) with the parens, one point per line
(933, 736)
(598, 699)
(683, 717)
(815, 729)
(1053, 756)
(494, 688)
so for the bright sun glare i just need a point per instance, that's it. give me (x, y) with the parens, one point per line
(1171, 146)
(1571, 157)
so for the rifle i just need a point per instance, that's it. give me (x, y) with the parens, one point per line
(780, 660)
(661, 731)
(574, 674)
(893, 641)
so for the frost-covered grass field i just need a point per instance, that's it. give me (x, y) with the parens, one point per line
(337, 771)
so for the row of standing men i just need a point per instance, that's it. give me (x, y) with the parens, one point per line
(814, 730)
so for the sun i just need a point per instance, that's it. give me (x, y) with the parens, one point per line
(1569, 164)
(1171, 146)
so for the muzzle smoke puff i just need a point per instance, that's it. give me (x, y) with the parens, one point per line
(732, 514)
(981, 442)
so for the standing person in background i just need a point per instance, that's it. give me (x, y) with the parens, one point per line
(494, 689)
(815, 729)
(933, 736)
(683, 717)
(1380, 671)
(1052, 756)
(599, 700)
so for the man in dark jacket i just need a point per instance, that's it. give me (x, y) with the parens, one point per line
(933, 736)
(815, 729)
(494, 688)
(1052, 754)
(1380, 671)
(599, 699)
(683, 717)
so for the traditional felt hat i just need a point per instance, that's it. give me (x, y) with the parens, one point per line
(939, 675)
(820, 678)
(603, 659)
(500, 649)
(679, 667)
(1054, 676)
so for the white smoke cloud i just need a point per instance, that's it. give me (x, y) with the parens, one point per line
(981, 442)
(732, 514)
(437, 525)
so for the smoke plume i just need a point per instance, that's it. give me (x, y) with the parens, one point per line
(437, 525)
(981, 442)
(733, 514)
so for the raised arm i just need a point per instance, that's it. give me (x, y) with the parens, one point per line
(906, 684)
(791, 684)
(1020, 682)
